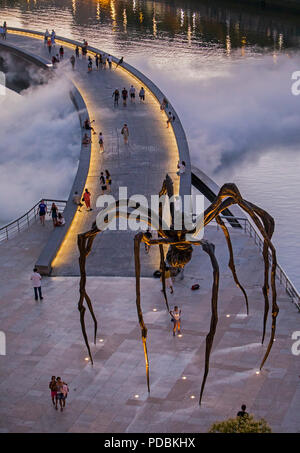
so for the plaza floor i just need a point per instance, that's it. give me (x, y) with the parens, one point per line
(44, 339)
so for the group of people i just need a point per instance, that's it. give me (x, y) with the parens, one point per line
(105, 187)
(57, 217)
(3, 30)
(59, 392)
(86, 199)
(127, 93)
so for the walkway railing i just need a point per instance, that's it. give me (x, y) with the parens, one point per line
(23, 223)
(280, 274)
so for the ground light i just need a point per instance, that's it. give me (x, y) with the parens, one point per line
(193, 397)
(136, 396)
(183, 378)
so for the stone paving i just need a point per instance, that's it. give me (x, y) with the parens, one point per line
(140, 166)
(45, 339)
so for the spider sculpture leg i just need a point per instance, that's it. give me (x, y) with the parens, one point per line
(209, 249)
(228, 195)
(137, 243)
(231, 264)
(163, 274)
(85, 242)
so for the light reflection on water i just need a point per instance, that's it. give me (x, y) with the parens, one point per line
(182, 47)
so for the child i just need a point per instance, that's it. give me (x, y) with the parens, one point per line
(176, 314)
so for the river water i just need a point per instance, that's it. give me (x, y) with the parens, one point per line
(227, 70)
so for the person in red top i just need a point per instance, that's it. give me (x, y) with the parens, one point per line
(87, 199)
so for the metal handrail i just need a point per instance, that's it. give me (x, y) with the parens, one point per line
(280, 273)
(24, 222)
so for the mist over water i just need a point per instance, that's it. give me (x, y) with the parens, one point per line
(39, 147)
(226, 69)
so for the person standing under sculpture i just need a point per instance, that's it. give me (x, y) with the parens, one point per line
(36, 284)
(176, 319)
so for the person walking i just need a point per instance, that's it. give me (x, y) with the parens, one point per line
(49, 45)
(42, 211)
(76, 200)
(120, 62)
(109, 60)
(176, 319)
(65, 391)
(90, 64)
(125, 133)
(87, 200)
(142, 94)
(164, 104)
(77, 52)
(124, 96)
(170, 119)
(101, 143)
(102, 183)
(97, 61)
(54, 212)
(36, 284)
(4, 30)
(104, 61)
(53, 388)
(46, 36)
(132, 93)
(61, 53)
(108, 181)
(181, 168)
(59, 393)
(53, 36)
(72, 60)
(116, 95)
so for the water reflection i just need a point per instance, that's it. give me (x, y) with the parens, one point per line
(200, 22)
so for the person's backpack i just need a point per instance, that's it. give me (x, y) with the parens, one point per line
(194, 287)
(157, 274)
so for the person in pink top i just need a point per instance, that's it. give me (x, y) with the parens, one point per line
(36, 283)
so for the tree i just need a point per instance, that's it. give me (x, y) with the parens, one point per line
(245, 424)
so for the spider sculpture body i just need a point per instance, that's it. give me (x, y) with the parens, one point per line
(180, 253)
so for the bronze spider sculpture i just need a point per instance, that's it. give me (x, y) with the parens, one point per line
(180, 253)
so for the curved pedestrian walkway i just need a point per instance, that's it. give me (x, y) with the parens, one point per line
(140, 166)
